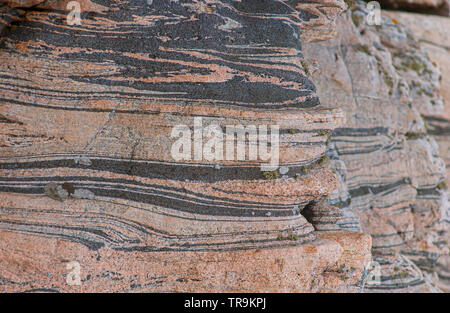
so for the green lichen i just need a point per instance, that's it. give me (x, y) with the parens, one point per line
(413, 64)
(305, 67)
(343, 277)
(351, 4)
(427, 93)
(364, 49)
(323, 159)
(413, 136)
(304, 169)
(291, 237)
(323, 132)
(442, 185)
(424, 121)
(387, 78)
(388, 81)
(402, 274)
(269, 175)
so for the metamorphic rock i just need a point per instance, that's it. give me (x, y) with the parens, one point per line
(92, 198)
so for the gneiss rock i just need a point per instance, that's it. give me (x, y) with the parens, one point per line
(295, 268)
(112, 90)
(65, 191)
(322, 215)
(388, 166)
(431, 32)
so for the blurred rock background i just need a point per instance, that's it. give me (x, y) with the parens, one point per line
(392, 156)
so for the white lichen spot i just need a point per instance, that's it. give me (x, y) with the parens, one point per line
(283, 170)
(83, 194)
(82, 160)
(229, 25)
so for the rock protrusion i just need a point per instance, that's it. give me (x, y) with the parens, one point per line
(323, 216)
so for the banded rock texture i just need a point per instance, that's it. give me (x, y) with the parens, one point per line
(389, 168)
(435, 40)
(86, 169)
(323, 216)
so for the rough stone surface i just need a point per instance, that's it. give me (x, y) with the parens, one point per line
(390, 174)
(37, 263)
(86, 169)
(431, 31)
(323, 216)
(88, 179)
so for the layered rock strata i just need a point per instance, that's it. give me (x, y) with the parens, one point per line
(389, 169)
(435, 40)
(323, 216)
(87, 166)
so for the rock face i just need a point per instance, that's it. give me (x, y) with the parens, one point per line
(430, 31)
(323, 216)
(390, 174)
(116, 172)
(90, 178)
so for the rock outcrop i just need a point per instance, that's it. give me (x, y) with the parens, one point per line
(115, 164)
(391, 174)
(89, 173)
(431, 32)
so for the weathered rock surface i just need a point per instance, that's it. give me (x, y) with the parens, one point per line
(389, 169)
(431, 32)
(323, 216)
(435, 40)
(31, 262)
(86, 169)
(88, 176)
